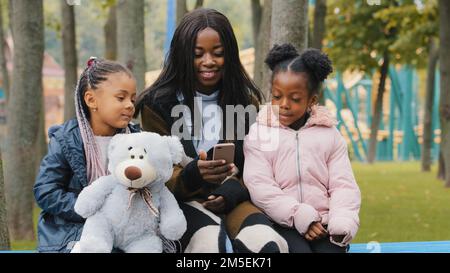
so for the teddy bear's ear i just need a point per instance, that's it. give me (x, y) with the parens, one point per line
(117, 139)
(175, 148)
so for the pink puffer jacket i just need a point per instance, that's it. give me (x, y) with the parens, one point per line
(299, 177)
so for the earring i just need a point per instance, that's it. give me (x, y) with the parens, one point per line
(94, 109)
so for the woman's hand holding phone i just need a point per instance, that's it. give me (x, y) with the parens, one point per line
(213, 171)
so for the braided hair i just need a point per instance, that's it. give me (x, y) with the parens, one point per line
(95, 73)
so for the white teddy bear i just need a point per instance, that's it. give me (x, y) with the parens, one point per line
(130, 208)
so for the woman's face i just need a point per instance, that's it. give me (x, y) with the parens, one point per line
(290, 94)
(209, 61)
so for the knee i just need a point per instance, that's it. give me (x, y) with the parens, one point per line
(259, 239)
(204, 240)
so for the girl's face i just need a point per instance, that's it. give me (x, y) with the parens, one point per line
(111, 105)
(209, 60)
(290, 94)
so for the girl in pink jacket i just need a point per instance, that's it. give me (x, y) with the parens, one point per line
(297, 168)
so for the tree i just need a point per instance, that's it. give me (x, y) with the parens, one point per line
(23, 114)
(182, 8)
(290, 23)
(418, 29)
(110, 33)
(261, 34)
(131, 38)
(5, 74)
(433, 56)
(356, 25)
(320, 12)
(69, 57)
(4, 236)
(444, 107)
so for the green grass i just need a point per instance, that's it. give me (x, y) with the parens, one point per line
(399, 204)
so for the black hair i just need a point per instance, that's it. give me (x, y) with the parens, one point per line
(178, 71)
(313, 62)
(95, 73)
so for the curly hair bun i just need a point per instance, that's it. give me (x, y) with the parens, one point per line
(317, 63)
(280, 53)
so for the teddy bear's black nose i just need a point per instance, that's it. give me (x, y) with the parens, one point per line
(133, 173)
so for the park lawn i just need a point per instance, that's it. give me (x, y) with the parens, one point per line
(399, 204)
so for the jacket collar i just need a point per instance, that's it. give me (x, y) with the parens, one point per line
(319, 116)
(69, 138)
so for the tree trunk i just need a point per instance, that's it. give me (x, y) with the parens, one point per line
(181, 10)
(198, 4)
(131, 38)
(320, 12)
(256, 20)
(441, 167)
(256, 25)
(427, 118)
(4, 235)
(23, 115)
(69, 57)
(110, 31)
(5, 74)
(290, 23)
(444, 61)
(262, 73)
(41, 142)
(378, 110)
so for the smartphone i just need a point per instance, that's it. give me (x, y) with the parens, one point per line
(224, 151)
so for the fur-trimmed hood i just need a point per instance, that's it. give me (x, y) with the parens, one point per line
(319, 116)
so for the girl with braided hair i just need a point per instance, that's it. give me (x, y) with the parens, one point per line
(104, 101)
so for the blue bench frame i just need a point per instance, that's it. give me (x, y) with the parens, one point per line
(402, 247)
(372, 247)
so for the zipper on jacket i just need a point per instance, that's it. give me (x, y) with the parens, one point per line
(297, 148)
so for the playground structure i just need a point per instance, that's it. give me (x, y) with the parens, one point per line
(400, 130)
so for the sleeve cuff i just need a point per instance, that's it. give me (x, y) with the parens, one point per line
(191, 176)
(304, 216)
(342, 226)
(233, 192)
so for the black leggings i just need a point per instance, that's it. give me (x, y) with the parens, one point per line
(298, 244)
(206, 232)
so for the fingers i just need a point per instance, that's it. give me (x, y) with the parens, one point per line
(214, 174)
(315, 231)
(215, 204)
(215, 178)
(210, 163)
(202, 155)
(220, 170)
(319, 230)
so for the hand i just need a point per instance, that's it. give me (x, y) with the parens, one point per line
(315, 231)
(215, 204)
(213, 171)
(338, 238)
